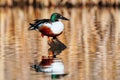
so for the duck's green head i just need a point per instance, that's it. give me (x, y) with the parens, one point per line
(56, 17)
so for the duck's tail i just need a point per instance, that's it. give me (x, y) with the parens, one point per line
(32, 27)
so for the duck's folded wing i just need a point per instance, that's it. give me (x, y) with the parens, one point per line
(37, 22)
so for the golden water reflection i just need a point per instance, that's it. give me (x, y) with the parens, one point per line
(91, 36)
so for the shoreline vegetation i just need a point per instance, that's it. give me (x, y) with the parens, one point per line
(59, 3)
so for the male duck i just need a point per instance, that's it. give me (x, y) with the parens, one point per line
(49, 27)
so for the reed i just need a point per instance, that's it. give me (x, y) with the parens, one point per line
(54, 3)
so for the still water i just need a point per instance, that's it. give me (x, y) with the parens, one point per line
(92, 37)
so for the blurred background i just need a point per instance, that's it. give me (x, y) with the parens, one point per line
(92, 37)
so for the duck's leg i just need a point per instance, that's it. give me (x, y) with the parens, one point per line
(42, 35)
(49, 40)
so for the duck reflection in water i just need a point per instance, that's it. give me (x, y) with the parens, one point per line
(51, 64)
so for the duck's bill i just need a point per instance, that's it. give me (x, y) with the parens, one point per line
(63, 18)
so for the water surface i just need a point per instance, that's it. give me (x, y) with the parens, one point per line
(91, 36)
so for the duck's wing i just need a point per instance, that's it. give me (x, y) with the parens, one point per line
(37, 22)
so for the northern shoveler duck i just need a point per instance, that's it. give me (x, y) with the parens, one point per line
(49, 27)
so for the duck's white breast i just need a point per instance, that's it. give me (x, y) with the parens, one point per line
(56, 27)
